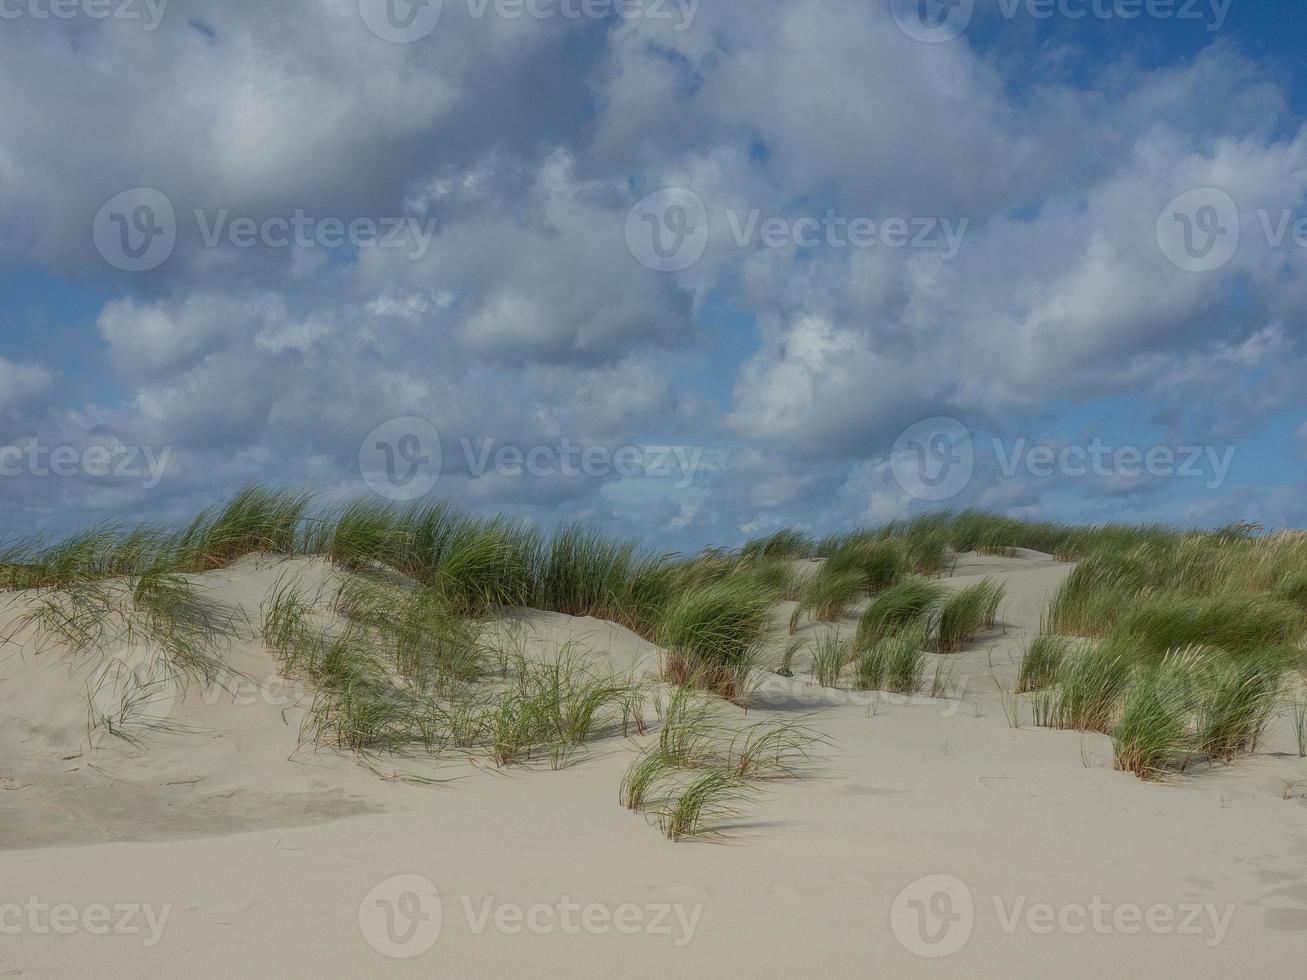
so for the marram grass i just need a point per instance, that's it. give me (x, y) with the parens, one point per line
(896, 663)
(703, 769)
(711, 634)
(1042, 661)
(909, 603)
(411, 664)
(965, 614)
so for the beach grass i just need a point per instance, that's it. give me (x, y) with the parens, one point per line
(965, 614)
(1042, 661)
(830, 655)
(911, 602)
(895, 663)
(710, 635)
(1091, 685)
(1153, 735)
(1178, 644)
(827, 595)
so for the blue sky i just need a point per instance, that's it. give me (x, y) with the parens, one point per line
(533, 235)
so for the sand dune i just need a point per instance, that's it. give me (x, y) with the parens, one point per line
(929, 827)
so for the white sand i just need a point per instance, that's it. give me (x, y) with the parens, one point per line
(260, 851)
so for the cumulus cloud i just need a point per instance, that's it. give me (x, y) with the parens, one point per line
(509, 152)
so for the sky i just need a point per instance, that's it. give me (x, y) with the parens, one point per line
(690, 271)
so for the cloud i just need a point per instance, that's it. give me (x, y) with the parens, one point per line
(522, 144)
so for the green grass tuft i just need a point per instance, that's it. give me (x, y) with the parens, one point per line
(965, 614)
(911, 602)
(895, 663)
(711, 634)
(1042, 661)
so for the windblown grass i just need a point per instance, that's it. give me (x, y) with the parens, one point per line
(711, 634)
(830, 656)
(911, 602)
(1238, 698)
(1237, 625)
(426, 643)
(1198, 702)
(785, 543)
(286, 612)
(586, 574)
(1042, 662)
(878, 562)
(549, 709)
(1292, 589)
(257, 519)
(712, 797)
(157, 607)
(1153, 736)
(1091, 686)
(896, 663)
(775, 749)
(703, 769)
(643, 778)
(827, 595)
(190, 628)
(965, 614)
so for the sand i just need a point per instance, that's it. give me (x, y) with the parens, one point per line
(223, 847)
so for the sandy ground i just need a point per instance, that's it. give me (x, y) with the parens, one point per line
(934, 838)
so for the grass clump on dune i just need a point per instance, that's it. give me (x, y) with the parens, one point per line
(257, 519)
(777, 576)
(1042, 661)
(549, 708)
(703, 768)
(586, 573)
(367, 534)
(487, 565)
(895, 663)
(830, 656)
(422, 639)
(911, 602)
(827, 595)
(878, 562)
(785, 543)
(711, 634)
(1199, 702)
(1153, 736)
(965, 614)
(1237, 700)
(710, 798)
(1237, 625)
(1090, 687)
(1094, 594)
